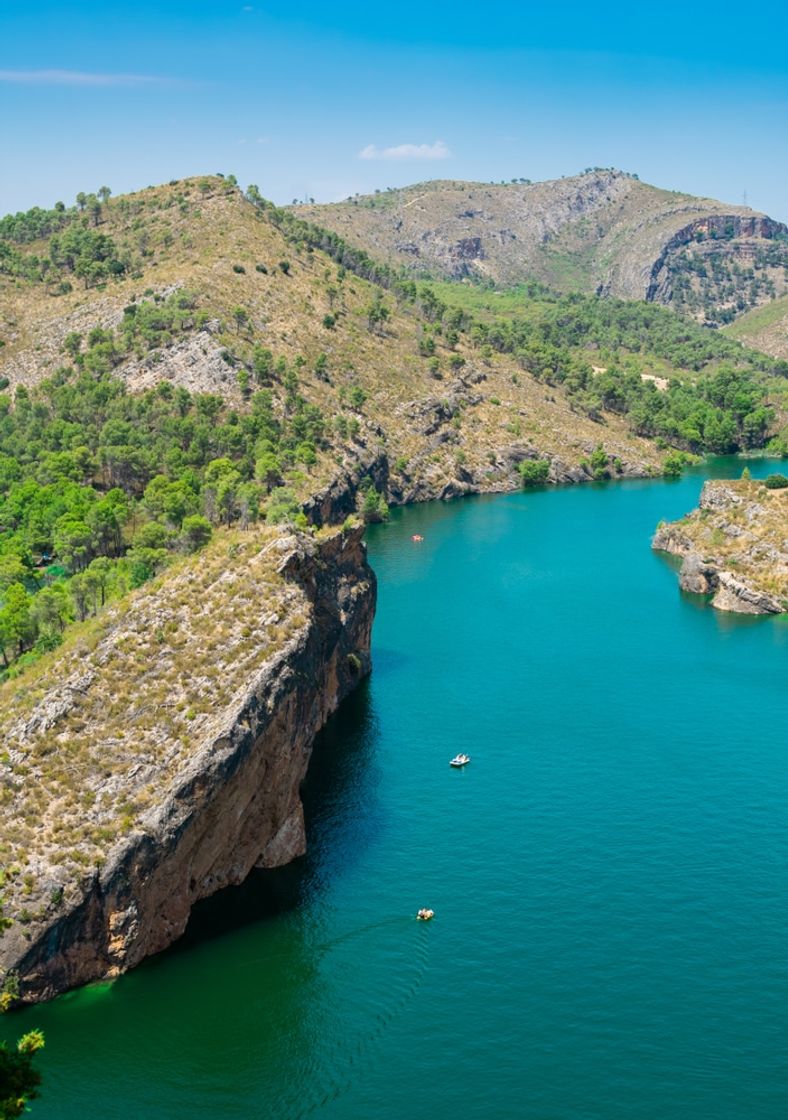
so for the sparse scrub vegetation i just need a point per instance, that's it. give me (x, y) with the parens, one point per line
(110, 485)
(136, 726)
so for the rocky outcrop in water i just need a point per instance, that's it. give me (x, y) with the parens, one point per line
(734, 547)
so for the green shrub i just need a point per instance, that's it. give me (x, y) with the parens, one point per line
(196, 531)
(674, 463)
(283, 507)
(534, 472)
(598, 462)
(356, 398)
(374, 506)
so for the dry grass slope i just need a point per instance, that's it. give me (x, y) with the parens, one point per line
(199, 238)
(764, 328)
(97, 731)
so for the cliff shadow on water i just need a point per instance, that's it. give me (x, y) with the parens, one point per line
(340, 808)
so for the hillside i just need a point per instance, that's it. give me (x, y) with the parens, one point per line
(160, 756)
(202, 354)
(764, 328)
(734, 547)
(601, 232)
(187, 358)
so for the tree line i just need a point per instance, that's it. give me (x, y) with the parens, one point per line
(100, 487)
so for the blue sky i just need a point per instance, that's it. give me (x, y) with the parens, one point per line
(320, 100)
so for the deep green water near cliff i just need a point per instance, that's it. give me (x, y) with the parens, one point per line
(609, 874)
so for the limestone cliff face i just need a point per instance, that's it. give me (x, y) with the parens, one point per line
(730, 235)
(734, 547)
(234, 805)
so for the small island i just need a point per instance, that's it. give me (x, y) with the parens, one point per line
(735, 545)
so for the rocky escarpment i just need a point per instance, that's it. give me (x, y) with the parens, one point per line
(716, 232)
(721, 265)
(734, 547)
(223, 801)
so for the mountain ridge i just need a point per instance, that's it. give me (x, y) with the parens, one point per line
(601, 232)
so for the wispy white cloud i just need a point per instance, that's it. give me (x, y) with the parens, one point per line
(77, 78)
(438, 150)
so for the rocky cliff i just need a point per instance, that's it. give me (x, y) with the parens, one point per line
(734, 547)
(222, 784)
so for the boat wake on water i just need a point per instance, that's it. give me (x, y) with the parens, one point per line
(397, 983)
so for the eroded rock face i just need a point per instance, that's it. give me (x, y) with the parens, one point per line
(234, 806)
(697, 576)
(733, 594)
(729, 234)
(738, 525)
(194, 363)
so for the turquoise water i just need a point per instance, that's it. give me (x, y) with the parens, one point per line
(609, 873)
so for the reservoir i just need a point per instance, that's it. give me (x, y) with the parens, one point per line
(609, 873)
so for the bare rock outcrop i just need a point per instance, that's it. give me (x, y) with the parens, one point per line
(734, 547)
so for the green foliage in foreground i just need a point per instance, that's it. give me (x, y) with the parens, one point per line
(776, 482)
(19, 1080)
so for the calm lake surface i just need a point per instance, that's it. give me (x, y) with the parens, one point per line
(609, 874)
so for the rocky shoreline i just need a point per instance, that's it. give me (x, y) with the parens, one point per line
(734, 547)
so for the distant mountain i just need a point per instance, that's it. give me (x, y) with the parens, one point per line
(603, 232)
